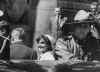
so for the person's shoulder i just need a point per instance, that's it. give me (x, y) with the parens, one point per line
(28, 49)
(21, 46)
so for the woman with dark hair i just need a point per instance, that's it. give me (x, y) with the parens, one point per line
(44, 47)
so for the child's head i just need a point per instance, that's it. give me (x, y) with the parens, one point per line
(44, 43)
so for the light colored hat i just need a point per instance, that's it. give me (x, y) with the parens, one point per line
(1, 13)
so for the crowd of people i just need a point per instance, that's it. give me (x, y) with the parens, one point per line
(78, 41)
(77, 44)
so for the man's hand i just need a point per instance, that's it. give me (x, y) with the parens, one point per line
(63, 20)
(94, 32)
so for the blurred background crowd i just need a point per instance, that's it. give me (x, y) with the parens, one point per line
(62, 30)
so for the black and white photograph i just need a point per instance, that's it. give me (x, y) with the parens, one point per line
(49, 35)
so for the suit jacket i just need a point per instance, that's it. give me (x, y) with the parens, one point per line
(68, 50)
(19, 50)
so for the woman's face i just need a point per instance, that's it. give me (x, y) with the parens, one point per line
(42, 45)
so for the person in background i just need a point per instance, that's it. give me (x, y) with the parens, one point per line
(57, 22)
(86, 40)
(76, 44)
(93, 31)
(67, 49)
(4, 37)
(18, 50)
(45, 47)
(82, 15)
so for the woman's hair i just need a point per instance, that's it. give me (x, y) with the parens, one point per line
(47, 40)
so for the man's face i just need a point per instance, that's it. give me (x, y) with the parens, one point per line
(93, 6)
(81, 33)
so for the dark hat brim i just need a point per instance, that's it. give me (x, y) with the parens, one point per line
(70, 27)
